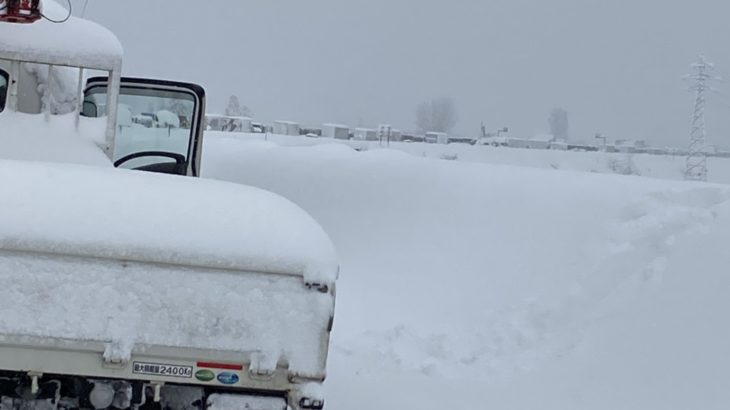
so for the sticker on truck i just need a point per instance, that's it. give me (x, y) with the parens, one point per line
(228, 378)
(168, 370)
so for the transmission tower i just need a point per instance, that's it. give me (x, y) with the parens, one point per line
(696, 169)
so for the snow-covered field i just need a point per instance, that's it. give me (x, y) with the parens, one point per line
(480, 284)
(653, 166)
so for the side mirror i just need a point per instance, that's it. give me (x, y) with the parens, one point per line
(89, 110)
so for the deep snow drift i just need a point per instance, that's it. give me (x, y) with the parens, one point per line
(468, 285)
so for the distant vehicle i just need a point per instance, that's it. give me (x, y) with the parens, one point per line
(258, 128)
(216, 122)
(145, 119)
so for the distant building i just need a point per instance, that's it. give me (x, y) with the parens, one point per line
(336, 131)
(412, 138)
(437, 138)
(493, 141)
(559, 145)
(631, 146)
(216, 122)
(541, 141)
(582, 147)
(286, 128)
(311, 132)
(365, 134)
(461, 140)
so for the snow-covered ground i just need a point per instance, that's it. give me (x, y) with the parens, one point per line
(480, 284)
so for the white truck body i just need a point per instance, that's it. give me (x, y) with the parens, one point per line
(148, 287)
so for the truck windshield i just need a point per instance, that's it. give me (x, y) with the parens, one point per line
(3, 89)
(152, 124)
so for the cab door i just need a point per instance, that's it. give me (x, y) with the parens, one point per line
(159, 126)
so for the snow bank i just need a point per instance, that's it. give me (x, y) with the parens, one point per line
(61, 86)
(33, 138)
(76, 42)
(167, 119)
(124, 215)
(479, 285)
(227, 402)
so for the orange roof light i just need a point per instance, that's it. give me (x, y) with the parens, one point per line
(20, 11)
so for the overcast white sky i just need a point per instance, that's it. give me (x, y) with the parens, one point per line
(615, 65)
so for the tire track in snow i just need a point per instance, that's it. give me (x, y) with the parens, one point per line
(521, 337)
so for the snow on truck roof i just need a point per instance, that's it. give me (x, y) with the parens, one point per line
(75, 43)
(88, 211)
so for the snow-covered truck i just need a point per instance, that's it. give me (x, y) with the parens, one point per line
(140, 290)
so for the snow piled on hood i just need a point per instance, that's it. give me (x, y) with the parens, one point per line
(125, 215)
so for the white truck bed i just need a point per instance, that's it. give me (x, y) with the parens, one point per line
(126, 308)
(119, 274)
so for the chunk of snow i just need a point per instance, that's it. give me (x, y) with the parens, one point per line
(234, 402)
(61, 86)
(33, 138)
(75, 43)
(167, 119)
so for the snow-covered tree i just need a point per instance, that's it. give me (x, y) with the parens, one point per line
(179, 107)
(559, 125)
(235, 109)
(438, 115)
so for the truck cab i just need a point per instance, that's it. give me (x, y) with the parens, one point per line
(166, 140)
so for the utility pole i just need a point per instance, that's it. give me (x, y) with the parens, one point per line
(696, 169)
(604, 139)
(384, 133)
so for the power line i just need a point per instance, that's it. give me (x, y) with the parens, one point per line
(65, 19)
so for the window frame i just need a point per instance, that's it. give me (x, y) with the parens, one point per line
(4, 97)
